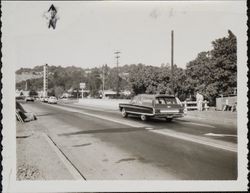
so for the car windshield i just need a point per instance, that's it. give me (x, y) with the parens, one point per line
(165, 100)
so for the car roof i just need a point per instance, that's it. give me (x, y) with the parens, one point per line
(156, 95)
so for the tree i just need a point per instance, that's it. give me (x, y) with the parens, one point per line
(214, 72)
(58, 91)
(94, 82)
(224, 63)
(33, 93)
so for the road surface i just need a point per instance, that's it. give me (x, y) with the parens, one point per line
(101, 145)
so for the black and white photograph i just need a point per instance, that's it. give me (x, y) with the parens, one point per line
(104, 96)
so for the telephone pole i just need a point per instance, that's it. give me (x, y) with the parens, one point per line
(172, 61)
(117, 64)
(45, 80)
(103, 80)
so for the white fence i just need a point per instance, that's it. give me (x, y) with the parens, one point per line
(192, 105)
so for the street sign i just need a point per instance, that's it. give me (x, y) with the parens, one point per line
(82, 85)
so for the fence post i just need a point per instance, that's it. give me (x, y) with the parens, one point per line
(206, 106)
(185, 107)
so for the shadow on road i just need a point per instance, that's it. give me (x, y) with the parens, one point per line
(113, 130)
(46, 114)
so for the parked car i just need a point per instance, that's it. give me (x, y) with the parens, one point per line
(45, 99)
(52, 100)
(29, 98)
(148, 105)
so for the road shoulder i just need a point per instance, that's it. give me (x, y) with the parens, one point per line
(36, 160)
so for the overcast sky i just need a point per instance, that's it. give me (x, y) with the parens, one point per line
(88, 33)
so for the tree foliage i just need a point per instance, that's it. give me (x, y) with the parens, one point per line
(215, 72)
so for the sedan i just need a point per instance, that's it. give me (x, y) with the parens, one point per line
(52, 100)
(29, 98)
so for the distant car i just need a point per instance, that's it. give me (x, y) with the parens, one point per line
(52, 100)
(29, 98)
(45, 99)
(148, 105)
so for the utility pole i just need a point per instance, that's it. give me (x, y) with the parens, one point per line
(172, 61)
(103, 80)
(26, 85)
(117, 64)
(45, 80)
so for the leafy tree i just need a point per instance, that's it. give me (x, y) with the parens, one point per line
(58, 91)
(224, 63)
(33, 93)
(214, 72)
(94, 82)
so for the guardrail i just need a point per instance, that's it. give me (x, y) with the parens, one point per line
(192, 105)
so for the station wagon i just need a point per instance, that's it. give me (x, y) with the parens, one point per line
(149, 105)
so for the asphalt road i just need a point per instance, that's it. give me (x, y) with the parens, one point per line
(104, 146)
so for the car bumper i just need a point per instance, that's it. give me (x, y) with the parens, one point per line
(169, 115)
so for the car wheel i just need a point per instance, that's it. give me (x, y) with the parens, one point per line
(169, 119)
(124, 113)
(143, 117)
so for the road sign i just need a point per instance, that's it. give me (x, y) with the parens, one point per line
(82, 85)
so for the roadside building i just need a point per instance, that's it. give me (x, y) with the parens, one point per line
(107, 94)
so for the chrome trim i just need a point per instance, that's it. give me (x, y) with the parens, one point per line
(150, 114)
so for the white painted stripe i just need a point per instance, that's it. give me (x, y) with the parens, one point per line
(91, 108)
(124, 122)
(204, 141)
(220, 135)
(76, 175)
(167, 132)
(198, 124)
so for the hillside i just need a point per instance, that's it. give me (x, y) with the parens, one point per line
(27, 76)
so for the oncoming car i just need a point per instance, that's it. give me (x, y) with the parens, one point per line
(147, 105)
(29, 98)
(52, 100)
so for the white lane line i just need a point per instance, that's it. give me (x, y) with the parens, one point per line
(116, 111)
(204, 141)
(198, 124)
(92, 108)
(124, 122)
(65, 161)
(167, 132)
(220, 135)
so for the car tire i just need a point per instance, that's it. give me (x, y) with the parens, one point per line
(169, 119)
(124, 113)
(144, 117)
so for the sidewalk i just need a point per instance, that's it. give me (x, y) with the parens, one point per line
(110, 104)
(222, 117)
(36, 160)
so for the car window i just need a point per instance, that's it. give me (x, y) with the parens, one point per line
(139, 100)
(147, 100)
(133, 101)
(165, 100)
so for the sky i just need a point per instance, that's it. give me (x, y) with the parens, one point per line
(88, 33)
